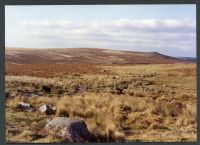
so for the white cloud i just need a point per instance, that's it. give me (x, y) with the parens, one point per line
(147, 25)
(46, 23)
(169, 35)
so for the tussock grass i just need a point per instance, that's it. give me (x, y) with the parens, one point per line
(154, 106)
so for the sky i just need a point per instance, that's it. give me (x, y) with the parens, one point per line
(167, 29)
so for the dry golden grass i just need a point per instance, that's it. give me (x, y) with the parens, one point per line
(159, 104)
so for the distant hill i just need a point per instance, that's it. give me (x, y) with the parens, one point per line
(189, 59)
(85, 56)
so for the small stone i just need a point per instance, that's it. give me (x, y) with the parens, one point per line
(25, 107)
(47, 109)
(103, 71)
(172, 92)
(46, 89)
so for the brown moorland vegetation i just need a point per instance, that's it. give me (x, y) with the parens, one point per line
(120, 103)
(51, 70)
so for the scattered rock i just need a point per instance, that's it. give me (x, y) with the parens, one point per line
(154, 97)
(20, 91)
(71, 130)
(9, 95)
(154, 74)
(172, 92)
(124, 91)
(123, 85)
(78, 89)
(158, 91)
(25, 107)
(115, 77)
(149, 83)
(77, 75)
(103, 70)
(46, 89)
(151, 75)
(138, 83)
(60, 91)
(126, 109)
(47, 109)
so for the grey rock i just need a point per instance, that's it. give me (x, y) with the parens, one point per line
(25, 107)
(124, 91)
(47, 109)
(71, 130)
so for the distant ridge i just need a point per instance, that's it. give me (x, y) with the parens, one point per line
(85, 56)
(189, 59)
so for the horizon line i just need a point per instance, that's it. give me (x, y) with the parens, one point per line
(39, 48)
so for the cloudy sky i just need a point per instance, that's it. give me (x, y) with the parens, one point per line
(167, 29)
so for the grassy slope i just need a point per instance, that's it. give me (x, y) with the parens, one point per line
(85, 56)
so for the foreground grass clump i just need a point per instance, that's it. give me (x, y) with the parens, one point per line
(131, 103)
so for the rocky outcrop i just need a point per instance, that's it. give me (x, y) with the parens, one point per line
(71, 130)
